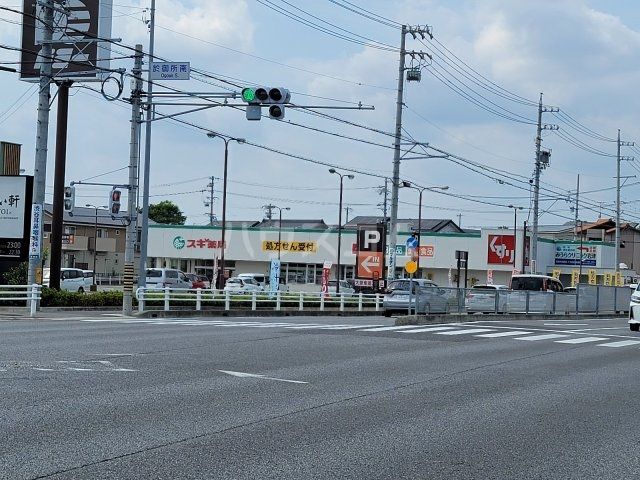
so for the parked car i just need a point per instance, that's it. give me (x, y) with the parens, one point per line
(482, 299)
(167, 277)
(260, 278)
(570, 290)
(88, 279)
(71, 279)
(634, 316)
(205, 281)
(427, 297)
(345, 288)
(196, 281)
(536, 283)
(242, 285)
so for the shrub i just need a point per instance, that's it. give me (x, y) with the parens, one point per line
(62, 298)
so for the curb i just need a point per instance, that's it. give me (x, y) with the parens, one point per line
(254, 313)
(457, 318)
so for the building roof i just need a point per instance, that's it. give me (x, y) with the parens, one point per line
(292, 223)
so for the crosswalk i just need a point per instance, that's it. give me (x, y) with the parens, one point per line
(441, 332)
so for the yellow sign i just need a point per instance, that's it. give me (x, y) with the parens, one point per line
(608, 278)
(619, 279)
(575, 277)
(556, 273)
(593, 277)
(302, 247)
(411, 266)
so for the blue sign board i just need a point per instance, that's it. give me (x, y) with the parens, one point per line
(274, 276)
(412, 242)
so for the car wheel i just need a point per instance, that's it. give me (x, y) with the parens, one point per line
(81, 290)
(634, 327)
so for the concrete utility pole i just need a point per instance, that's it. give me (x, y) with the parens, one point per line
(395, 181)
(134, 158)
(144, 232)
(211, 185)
(347, 209)
(619, 159)
(42, 128)
(575, 229)
(269, 211)
(536, 185)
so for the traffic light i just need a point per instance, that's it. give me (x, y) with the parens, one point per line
(273, 97)
(69, 199)
(114, 201)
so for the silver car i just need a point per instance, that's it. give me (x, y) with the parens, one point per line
(482, 299)
(426, 297)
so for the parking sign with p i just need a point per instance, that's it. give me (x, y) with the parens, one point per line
(370, 256)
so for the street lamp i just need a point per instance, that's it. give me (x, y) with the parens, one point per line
(95, 238)
(280, 209)
(515, 234)
(420, 190)
(226, 141)
(350, 177)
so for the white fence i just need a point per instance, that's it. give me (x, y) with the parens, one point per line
(18, 295)
(166, 298)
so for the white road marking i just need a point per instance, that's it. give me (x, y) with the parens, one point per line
(503, 334)
(387, 329)
(464, 332)
(624, 343)
(566, 324)
(430, 329)
(257, 375)
(582, 340)
(542, 337)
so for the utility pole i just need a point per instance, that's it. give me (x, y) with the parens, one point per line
(42, 130)
(269, 211)
(460, 220)
(347, 209)
(575, 230)
(211, 185)
(395, 181)
(619, 159)
(540, 165)
(58, 184)
(144, 231)
(134, 158)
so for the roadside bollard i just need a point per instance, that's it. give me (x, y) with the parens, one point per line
(301, 302)
(167, 292)
(360, 302)
(198, 299)
(322, 302)
(33, 304)
(227, 300)
(341, 302)
(140, 296)
(253, 301)
(278, 298)
(377, 302)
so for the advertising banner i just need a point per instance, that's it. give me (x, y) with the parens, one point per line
(15, 206)
(569, 254)
(501, 250)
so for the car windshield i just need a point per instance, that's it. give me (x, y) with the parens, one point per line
(234, 280)
(399, 285)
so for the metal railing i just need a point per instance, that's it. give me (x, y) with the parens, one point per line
(170, 298)
(18, 295)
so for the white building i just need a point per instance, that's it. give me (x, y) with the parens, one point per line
(250, 247)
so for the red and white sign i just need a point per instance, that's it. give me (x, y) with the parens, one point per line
(500, 250)
(489, 277)
(428, 251)
(326, 273)
(370, 264)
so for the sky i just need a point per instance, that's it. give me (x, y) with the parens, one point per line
(477, 100)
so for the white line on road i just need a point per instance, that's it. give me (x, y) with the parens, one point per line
(257, 375)
(624, 343)
(541, 337)
(464, 332)
(502, 334)
(388, 329)
(429, 329)
(582, 340)
(566, 324)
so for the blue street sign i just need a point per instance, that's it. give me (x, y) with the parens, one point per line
(412, 242)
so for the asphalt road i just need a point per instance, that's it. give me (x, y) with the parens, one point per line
(106, 398)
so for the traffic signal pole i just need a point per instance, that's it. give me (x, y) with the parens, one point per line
(58, 185)
(134, 158)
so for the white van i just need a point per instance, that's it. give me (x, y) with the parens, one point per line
(260, 278)
(536, 283)
(88, 279)
(71, 279)
(167, 277)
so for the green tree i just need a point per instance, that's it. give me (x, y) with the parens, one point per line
(17, 275)
(166, 212)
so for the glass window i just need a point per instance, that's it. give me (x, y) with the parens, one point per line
(69, 230)
(172, 274)
(154, 273)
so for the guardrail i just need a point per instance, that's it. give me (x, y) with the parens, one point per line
(10, 295)
(164, 299)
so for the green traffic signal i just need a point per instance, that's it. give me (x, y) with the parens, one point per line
(248, 94)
